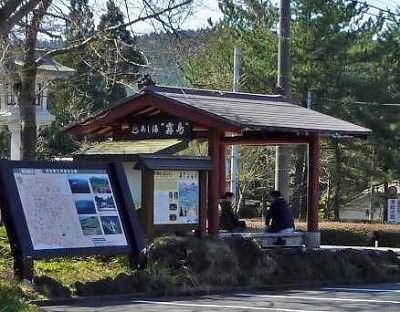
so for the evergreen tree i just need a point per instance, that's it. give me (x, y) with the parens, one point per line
(103, 70)
(119, 58)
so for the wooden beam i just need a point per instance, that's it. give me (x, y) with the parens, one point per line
(266, 140)
(149, 103)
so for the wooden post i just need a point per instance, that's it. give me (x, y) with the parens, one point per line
(312, 216)
(203, 176)
(214, 185)
(148, 202)
(23, 268)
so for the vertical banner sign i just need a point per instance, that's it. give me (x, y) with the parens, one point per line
(393, 212)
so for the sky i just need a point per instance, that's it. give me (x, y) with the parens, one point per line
(209, 9)
(205, 9)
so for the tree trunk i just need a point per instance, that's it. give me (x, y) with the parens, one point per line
(28, 112)
(27, 99)
(386, 196)
(328, 203)
(338, 178)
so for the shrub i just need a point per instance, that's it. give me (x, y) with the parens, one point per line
(387, 239)
(357, 234)
(346, 237)
(10, 301)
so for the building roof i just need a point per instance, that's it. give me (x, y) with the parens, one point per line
(256, 111)
(227, 111)
(51, 68)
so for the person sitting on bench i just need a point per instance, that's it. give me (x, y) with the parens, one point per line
(279, 217)
(228, 219)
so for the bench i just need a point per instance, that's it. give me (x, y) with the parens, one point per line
(266, 240)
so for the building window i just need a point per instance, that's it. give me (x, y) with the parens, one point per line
(39, 95)
(10, 97)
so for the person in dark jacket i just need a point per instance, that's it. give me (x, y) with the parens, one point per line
(279, 217)
(228, 219)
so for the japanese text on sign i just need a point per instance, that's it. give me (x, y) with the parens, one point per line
(162, 129)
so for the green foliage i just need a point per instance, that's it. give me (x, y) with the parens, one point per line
(10, 301)
(387, 238)
(164, 52)
(118, 58)
(67, 106)
(10, 291)
(104, 67)
(256, 174)
(5, 137)
(248, 265)
(346, 237)
(80, 23)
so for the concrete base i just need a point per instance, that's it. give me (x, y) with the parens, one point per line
(312, 240)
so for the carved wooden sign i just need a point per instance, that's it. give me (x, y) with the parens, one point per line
(164, 129)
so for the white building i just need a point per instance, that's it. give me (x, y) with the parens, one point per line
(368, 206)
(9, 109)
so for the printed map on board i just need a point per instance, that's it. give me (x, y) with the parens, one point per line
(65, 208)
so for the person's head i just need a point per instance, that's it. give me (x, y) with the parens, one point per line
(229, 196)
(275, 194)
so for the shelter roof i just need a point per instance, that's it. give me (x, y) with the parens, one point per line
(256, 111)
(227, 111)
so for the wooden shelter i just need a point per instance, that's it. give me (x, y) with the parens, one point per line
(222, 118)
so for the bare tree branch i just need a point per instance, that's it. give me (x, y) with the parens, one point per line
(13, 11)
(101, 34)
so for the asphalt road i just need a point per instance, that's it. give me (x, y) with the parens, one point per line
(379, 298)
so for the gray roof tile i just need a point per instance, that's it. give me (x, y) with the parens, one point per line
(256, 111)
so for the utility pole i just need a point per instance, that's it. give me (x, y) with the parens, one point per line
(282, 152)
(234, 149)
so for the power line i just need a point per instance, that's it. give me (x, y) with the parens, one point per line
(379, 104)
(359, 102)
(376, 7)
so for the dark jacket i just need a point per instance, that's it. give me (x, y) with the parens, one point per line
(228, 219)
(280, 216)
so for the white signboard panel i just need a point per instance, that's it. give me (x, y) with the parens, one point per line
(176, 197)
(69, 208)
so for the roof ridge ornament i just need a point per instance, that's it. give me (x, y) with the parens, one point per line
(145, 82)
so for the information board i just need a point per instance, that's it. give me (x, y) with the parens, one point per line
(176, 197)
(69, 208)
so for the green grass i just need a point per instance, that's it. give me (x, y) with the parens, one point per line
(15, 296)
(10, 290)
(69, 270)
(10, 300)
